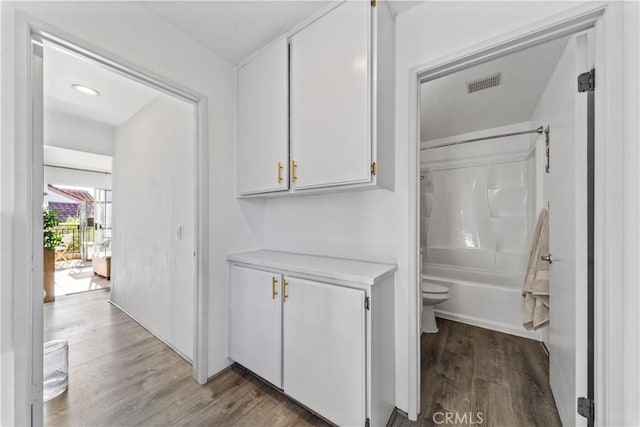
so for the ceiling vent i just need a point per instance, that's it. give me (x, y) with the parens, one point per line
(483, 83)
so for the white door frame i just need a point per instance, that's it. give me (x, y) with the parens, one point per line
(26, 263)
(607, 20)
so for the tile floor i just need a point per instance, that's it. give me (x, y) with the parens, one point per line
(75, 276)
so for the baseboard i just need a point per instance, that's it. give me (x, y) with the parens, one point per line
(178, 352)
(487, 324)
(221, 371)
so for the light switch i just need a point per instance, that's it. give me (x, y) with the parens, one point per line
(179, 232)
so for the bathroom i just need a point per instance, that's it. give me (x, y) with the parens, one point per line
(487, 163)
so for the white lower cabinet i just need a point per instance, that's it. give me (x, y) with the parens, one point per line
(324, 349)
(255, 339)
(321, 329)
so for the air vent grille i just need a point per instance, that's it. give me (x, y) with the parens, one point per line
(483, 83)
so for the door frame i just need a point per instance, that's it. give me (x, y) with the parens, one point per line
(26, 308)
(606, 19)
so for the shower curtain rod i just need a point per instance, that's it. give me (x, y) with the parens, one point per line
(538, 130)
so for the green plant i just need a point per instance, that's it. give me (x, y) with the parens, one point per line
(50, 237)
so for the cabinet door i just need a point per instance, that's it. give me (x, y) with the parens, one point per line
(330, 98)
(263, 121)
(324, 349)
(255, 332)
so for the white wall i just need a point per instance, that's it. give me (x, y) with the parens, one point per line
(138, 38)
(55, 156)
(66, 130)
(80, 143)
(7, 213)
(631, 297)
(153, 196)
(2, 242)
(61, 176)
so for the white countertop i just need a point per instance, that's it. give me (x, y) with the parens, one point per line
(362, 272)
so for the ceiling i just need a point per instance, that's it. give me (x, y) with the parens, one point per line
(236, 29)
(447, 109)
(119, 99)
(232, 29)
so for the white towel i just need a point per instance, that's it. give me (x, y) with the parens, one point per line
(536, 282)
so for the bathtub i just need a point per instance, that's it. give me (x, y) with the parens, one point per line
(484, 298)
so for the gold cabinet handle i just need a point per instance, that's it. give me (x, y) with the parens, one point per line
(294, 165)
(280, 167)
(274, 282)
(284, 291)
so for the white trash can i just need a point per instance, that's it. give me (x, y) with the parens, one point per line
(56, 368)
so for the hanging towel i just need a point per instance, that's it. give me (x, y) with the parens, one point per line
(536, 282)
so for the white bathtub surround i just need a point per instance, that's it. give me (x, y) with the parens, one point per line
(476, 216)
(536, 281)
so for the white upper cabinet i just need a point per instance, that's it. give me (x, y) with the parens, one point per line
(263, 109)
(340, 106)
(330, 98)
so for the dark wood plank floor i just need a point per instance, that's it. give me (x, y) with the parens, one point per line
(470, 370)
(119, 374)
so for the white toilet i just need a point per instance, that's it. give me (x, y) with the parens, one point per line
(432, 293)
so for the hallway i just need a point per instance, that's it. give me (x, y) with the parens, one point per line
(120, 374)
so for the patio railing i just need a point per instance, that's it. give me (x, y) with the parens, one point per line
(66, 228)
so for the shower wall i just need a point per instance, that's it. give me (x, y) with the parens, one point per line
(477, 206)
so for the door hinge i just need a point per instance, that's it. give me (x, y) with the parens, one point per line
(587, 81)
(586, 408)
(367, 303)
(374, 168)
(367, 423)
(374, 3)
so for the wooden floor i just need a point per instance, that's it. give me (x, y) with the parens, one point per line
(119, 374)
(470, 370)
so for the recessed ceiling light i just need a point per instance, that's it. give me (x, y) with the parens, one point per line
(85, 89)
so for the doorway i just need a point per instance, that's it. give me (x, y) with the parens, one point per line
(472, 173)
(179, 226)
(83, 233)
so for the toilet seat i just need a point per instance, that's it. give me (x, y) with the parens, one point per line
(433, 288)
